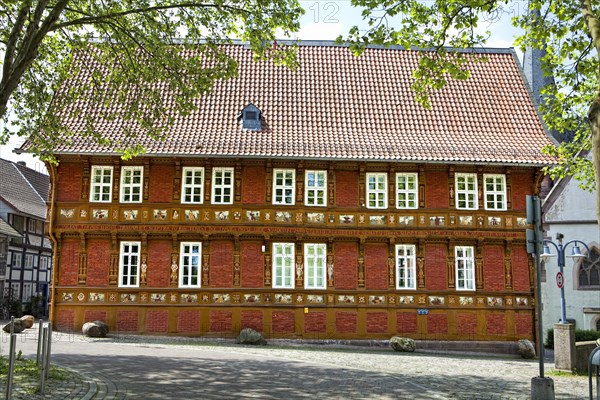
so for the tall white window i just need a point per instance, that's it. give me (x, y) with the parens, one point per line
(101, 184)
(315, 261)
(26, 292)
(465, 268)
(376, 190)
(283, 265)
(131, 184)
(15, 289)
(192, 185)
(405, 267)
(466, 191)
(190, 258)
(16, 260)
(44, 262)
(407, 193)
(222, 186)
(494, 192)
(284, 186)
(315, 193)
(30, 260)
(129, 264)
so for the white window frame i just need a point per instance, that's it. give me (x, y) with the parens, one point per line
(284, 192)
(464, 261)
(380, 195)
(15, 288)
(407, 198)
(317, 191)
(192, 192)
(44, 262)
(129, 264)
(98, 187)
(465, 186)
(27, 292)
(131, 191)
(29, 261)
(221, 190)
(31, 225)
(498, 196)
(406, 267)
(16, 259)
(315, 266)
(283, 257)
(188, 259)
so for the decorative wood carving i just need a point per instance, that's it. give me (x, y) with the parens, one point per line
(392, 263)
(267, 265)
(205, 262)
(143, 270)
(116, 179)
(479, 264)
(331, 186)
(174, 276)
(300, 183)
(451, 186)
(508, 275)
(450, 265)
(508, 175)
(146, 190)
(361, 262)
(480, 184)
(330, 263)
(144, 259)
(85, 180)
(421, 264)
(82, 263)
(207, 183)
(361, 185)
(391, 188)
(269, 182)
(238, 182)
(422, 182)
(113, 273)
(177, 179)
(236, 261)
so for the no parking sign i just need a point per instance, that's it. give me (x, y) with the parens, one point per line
(560, 280)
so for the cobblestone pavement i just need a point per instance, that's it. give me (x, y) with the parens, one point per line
(165, 368)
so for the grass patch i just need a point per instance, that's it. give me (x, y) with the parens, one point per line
(566, 374)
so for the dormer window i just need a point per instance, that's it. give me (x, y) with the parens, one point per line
(251, 118)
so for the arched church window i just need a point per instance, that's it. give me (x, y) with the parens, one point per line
(589, 271)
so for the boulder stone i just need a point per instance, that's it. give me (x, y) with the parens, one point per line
(18, 326)
(95, 329)
(250, 336)
(525, 349)
(403, 344)
(28, 321)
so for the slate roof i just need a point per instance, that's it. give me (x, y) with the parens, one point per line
(341, 107)
(24, 189)
(7, 230)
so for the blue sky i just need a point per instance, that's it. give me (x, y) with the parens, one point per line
(326, 20)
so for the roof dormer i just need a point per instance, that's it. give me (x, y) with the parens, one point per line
(251, 118)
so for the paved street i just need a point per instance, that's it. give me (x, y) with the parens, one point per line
(119, 368)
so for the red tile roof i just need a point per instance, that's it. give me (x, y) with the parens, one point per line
(343, 107)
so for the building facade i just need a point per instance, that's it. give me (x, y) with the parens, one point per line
(28, 268)
(571, 211)
(316, 203)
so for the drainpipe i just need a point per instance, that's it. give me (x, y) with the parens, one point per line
(51, 203)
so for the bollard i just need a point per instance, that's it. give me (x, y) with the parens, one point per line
(48, 348)
(11, 365)
(39, 344)
(43, 368)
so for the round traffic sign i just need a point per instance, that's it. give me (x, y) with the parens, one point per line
(560, 280)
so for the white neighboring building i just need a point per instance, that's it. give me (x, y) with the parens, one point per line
(571, 211)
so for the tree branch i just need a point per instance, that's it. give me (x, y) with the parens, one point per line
(101, 18)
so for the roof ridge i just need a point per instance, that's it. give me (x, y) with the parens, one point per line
(27, 180)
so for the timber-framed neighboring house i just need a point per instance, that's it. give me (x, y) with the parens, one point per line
(317, 203)
(25, 258)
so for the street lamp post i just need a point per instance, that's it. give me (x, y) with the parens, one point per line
(560, 250)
